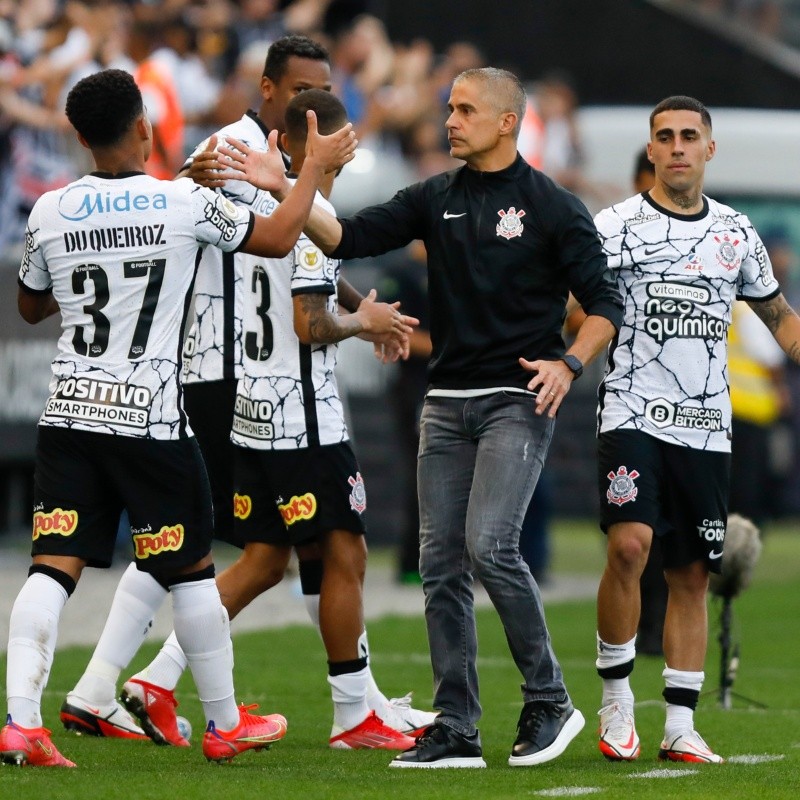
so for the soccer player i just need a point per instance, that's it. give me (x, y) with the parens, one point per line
(297, 480)
(504, 244)
(212, 366)
(681, 259)
(115, 253)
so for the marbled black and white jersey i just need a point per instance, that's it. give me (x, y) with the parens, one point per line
(120, 256)
(212, 351)
(287, 398)
(679, 275)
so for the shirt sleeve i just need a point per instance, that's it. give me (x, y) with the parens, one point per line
(220, 222)
(33, 272)
(756, 280)
(581, 254)
(312, 271)
(386, 226)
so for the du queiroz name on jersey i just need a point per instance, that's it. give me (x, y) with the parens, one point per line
(120, 255)
(679, 275)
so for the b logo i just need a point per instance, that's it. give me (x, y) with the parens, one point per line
(242, 506)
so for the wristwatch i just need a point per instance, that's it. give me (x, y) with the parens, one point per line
(574, 364)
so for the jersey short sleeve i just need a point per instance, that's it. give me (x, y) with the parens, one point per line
(33, 272)
(218, 221)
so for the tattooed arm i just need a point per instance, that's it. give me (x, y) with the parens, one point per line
(315, 324)
(783, 323)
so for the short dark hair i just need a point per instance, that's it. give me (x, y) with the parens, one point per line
(281, 50)
(643, 164)
(331, 114)
(681, 102)
(103, 106)
(505, 90)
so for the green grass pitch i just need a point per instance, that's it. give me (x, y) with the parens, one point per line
(284, 670)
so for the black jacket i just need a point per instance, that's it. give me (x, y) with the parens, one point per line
(504, 249)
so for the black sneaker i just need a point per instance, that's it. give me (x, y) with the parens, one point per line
(544, 730)
(440, 746)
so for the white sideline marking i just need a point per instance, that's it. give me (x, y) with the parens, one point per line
(761, 758)
(664, 773)
(568, 791)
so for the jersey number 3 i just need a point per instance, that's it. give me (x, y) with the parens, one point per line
(259, 287)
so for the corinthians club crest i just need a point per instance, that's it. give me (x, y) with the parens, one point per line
(622, 488)
(510, 224)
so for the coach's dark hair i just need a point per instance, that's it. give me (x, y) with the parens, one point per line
(103, 106)
(281, 50)
(331, 114)
(681, 102)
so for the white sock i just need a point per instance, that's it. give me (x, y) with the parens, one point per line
(166, 668)
(680, 719)
(616, 690)
(349, 693)
(612, 655)
(376, 699)
(33, 629)
(202, 628)
(136, 601)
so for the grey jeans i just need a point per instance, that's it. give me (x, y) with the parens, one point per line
(479, 460)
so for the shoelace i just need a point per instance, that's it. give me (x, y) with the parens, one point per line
(530, 722)
(620, 720)
(401, 702)
(433, 734)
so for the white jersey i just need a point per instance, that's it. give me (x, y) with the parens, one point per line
(287, 398)
(120, 256)
(679, 276)
(212, 351)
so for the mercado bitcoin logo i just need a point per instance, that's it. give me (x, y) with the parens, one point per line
(303, 507)
(242, 506)
(57, 521)
(169, 538)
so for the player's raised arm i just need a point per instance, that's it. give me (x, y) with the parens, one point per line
(240, 162)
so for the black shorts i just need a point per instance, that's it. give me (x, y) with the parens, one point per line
(680, 492)
(83, 481)
(291, 497)
(210, 409)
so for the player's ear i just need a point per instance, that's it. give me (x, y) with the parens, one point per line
(284, 142)
(712, 149)
(267, 87)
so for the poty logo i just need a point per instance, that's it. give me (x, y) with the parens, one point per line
(169, 538)
(82, 200)
(242, 506)
(303, 507)
(57, 521)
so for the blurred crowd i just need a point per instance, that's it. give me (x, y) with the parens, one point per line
(199, 64)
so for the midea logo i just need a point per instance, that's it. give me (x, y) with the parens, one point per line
(82, 200)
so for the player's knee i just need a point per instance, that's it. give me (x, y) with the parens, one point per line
(627, 553)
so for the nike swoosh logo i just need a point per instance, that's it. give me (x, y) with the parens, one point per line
(714, 556)
(48, 751)
(648, 251)
(448, 215)
(95, 711)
